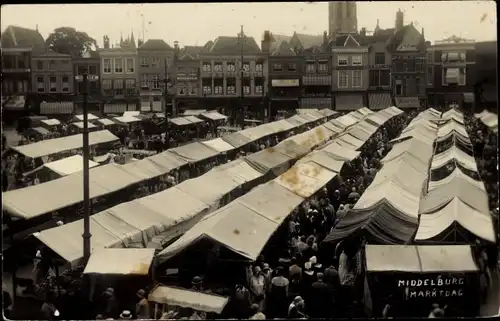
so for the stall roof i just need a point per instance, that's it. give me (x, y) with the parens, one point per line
(128, 261)
(194, 112)
(89, 117)
(194, 152)
(41, 130)
(50, 122)
(63, 144)
(179, 121)
(305, 110)
(327, 112)
(454, 153)
(313, 137)
(267, 160)
(131, 113)
(236, 139)
(218, 144)
(420, 259)
(80, 125)
(194, 119)
(127, 119)
(188, 299)
(167, 161)
(340, 152)
(213, 115)
(105, 121)
(69, 165)
(240, 170)
(456, 211)
(290, 149)
(324, 159)
(457, 173)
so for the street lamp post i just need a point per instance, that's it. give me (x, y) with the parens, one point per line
(242, 40)
(168, 84)
(85, 78)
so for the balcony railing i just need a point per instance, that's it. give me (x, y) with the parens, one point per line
(15, 70)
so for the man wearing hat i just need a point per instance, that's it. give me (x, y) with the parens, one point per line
(197, 284)
(142, 307)
(126, 315)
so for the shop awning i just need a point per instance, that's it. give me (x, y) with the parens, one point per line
(14, 102)
(213, 115)
(236, 139)
(324, 159)
(125, 261)
(80, 125)
(79, 118)
(194, 112)
(115, 108)
(194, 119)
(377, 101)
(105, 121)
(63, 144)
(347, 102)
(407, 102)
(312, 138)
(195, 300)
(420, 259)
(268, 160)
(68, 165)
(50, 122)
(40, 130)
(454, 153)
(133, 113)
(180, 121)
(52, 108)
(218, 144)
(340, 152)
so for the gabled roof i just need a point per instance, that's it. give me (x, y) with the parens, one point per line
(155, 44)
(348, 41)
(283, 49)
(307, 41)
(19, 37)
(277, 39)
(412, 38)
(231, 46)
(52, 53)
(208, 45)
(317, 49)
(408, 34)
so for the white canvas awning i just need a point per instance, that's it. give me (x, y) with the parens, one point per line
(89, 117)
(194, 152)
(132, 113)
(127, 119)
(180, 121)
(420, 259)
(213, 115)
(105, 121)
(80, 125)
(69, 165)
(194, 119)
(195, 300)
(454, 153)
(194, 112)
(50, 122)
(63, 144)
(120, 261)
(218, 144)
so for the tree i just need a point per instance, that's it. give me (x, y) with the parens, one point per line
(67, 40)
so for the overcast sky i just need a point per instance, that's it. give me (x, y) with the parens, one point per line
(195, 24)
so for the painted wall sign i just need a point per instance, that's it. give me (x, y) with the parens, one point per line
(433, 287)
(285, 82)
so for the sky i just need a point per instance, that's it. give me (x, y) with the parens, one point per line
(196, 23)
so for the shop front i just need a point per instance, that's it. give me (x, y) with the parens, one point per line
(346, 102)
(408, 102)
(116, 106)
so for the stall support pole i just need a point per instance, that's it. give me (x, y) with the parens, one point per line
(86, 190)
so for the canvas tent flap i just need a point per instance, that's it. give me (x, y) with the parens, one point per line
(290, 149)
(50, 122)
(188, 299)
(180, 121)
(194, 112)
(131, 261)
(80, 125)
(420, 259)
(240, 170)
(194, 152)
(268, 160)
(194, 119)
(324, 159)
(340, 152)
(213, 115)
(218, 144)
(89, 117)
(127, 119)
(105, 121)
(131, 113)
(237, 140)
(218, 183)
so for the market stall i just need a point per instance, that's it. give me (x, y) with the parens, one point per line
(413, 278)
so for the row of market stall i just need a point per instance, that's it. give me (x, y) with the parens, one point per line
(245, 225)
(110, 178)
(174, 211)
(443, 217)
(489, 119)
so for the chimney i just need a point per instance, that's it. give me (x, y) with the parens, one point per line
(325, 38)
(423, 34)
(105, 41)
(176, 50)
(266, 41)
(399, 20)
(363, 32)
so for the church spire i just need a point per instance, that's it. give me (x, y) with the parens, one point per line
(132, 39)
(121, 38)
(377, 28)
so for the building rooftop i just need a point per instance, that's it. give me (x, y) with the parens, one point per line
(19, 37)
(232, 46)
(155, 44)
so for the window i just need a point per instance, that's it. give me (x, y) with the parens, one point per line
(155, 62)
(130, 83)
(207, 89)
(144, 62)
(93, 70)
(277, 67)
(259, 85)
(357, 60)
(342, 60)
(461, 77)
(259, 89)
(430, 57)
(357, 78)
(430, 76)
(130, 65)
(246, 66)
(39, 65)
(385, 77)
(310, 67)
(462, 57)
(231, 67)
(374, 78)
(417, 85)
(118, 86)
(181, 91)
(52, 65)
(106, 84)
(246, 86)
(259, 67)
(343, 79)
(218, 66)
(156, 82)
(118, 65)
(231, 86)
(106, 66)
(40, 84)
(53, 84)
(193, 90)
(231, 90)
(218, 86)
(323, 67)
(144, 82)
(380, 58)
(292, 67)
(399, 90)
(65, 84)
(206, 67)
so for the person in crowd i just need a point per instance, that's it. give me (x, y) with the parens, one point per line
(126, 315)
(109, 303)
(278, 296)
(242, 302)
(292, 308)
(257, 313)
(320, 299)
(197, 284)
(298, 310)
(257, 285)
(142, 307)
(48, 310)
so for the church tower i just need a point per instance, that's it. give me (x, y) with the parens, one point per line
(342, 17)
